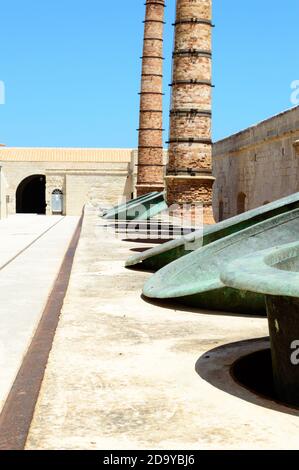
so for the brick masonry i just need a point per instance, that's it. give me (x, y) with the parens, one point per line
(189, 172)
(150, 143)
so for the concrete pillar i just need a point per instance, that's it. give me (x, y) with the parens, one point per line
(189, 173)
(150, 146)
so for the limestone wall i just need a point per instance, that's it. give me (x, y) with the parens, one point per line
(259, 164)
(102, 183)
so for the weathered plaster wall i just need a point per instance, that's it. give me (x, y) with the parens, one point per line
(102, 183)
(262, 162)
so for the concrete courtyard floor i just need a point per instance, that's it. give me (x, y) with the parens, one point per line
(127, 374)
(31, 252)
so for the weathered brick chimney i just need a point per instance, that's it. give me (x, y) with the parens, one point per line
(189, 173)
(150, 146)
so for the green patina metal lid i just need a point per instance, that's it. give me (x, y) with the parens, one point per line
(116, 209)
(194, 277)
(141, 208)
(157, 257)
(274, 271)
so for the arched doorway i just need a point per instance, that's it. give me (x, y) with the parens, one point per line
(241, 203)
(57, 201)
(31, 195)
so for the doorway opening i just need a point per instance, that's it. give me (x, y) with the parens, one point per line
(31, 195)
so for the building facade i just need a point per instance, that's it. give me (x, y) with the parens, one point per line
(257, 165)
(62, 180)
(253, 167)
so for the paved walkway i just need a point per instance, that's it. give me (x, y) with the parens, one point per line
(31, 251)
(126, 374)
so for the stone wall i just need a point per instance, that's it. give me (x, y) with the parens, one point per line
(257, 165)
(100, 183)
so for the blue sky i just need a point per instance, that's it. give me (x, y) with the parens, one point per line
(71, 69)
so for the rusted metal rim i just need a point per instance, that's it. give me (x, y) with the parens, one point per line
(189, 140)
(154, 21)
(153, 39)
(150, 129)
(188, 171)
(18, 410)
(151, 111)
(152, 75)
(201, 112)
(150, 147)
(194, 21)
(149, 164)
(196, 52)
(152, 57)
(155, 2)
(192, 82)
(151, 93)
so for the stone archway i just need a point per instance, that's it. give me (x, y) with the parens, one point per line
(31, 195)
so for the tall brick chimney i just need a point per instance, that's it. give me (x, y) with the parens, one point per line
(150, 146)
(189, 173)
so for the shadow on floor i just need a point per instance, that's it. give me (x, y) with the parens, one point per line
(139, 268)
(244, 370)
(173, 304)
(155, 241)
(139, 250)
